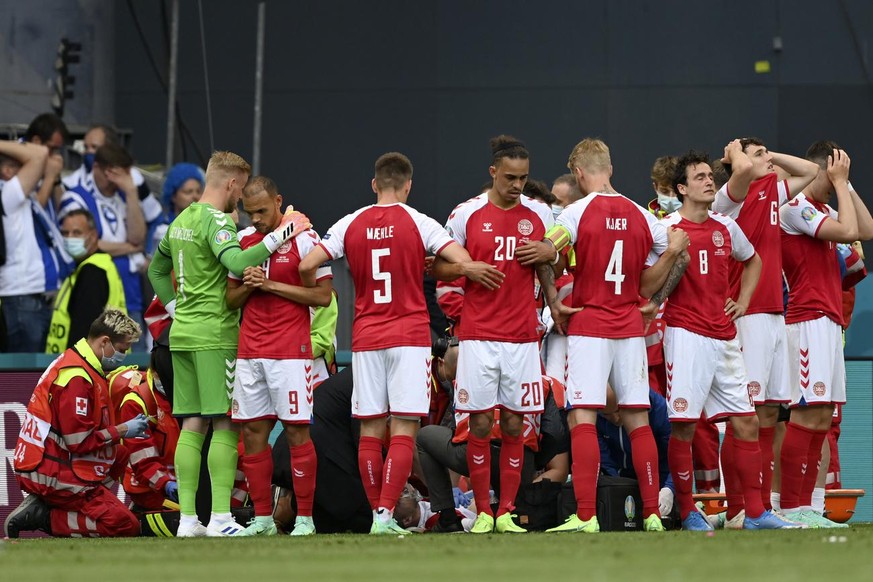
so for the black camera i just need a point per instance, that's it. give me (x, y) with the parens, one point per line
(442, 344)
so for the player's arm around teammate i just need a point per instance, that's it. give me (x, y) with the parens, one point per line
(274, 366)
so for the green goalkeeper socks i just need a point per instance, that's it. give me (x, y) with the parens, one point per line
(222, 460)
(187, 462)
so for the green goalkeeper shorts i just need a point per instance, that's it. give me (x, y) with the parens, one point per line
(203, 382)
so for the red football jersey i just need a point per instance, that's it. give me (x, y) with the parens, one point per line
(812, 269)
(697, 303)
(274, 327)
(491, 234)
(385, 246)
(614, 238)
(758, 217)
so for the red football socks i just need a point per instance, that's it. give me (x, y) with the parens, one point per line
(813, 455)
(765, 441)
(479, 466)
(258, 469)
(747, 458)
(511, 459)
(733, 484)
(303, 467)
(645, 458)
(586, 466)
(679, 459)
(370, 467)
(795, 464)
(398, 466)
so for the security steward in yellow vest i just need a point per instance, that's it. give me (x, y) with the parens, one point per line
(95, 285)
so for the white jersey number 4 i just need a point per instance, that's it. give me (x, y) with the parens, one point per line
(614, 272)
(379, 275)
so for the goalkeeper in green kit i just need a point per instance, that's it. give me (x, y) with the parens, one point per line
(200, 247)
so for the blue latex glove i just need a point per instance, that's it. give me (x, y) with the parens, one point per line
(171, 490)
(462, 499)
(137, 427)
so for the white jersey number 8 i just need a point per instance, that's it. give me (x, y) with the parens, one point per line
(378, 275)
(613, 272)
(704, 262)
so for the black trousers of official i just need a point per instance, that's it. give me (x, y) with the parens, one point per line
(437, 454)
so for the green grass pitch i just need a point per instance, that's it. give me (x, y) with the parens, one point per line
(822, 555)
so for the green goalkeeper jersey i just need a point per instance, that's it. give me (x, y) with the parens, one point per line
(202, 245)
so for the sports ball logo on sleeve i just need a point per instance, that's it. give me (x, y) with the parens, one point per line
(717, 239)
(525, 227)
(222, 236)
(808, 213)
(680, 405)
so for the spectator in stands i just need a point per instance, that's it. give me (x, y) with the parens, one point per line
(95, 285)
(36, 261)
(115, 204)
(98, 135)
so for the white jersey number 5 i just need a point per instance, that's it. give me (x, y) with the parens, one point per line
(613, 269)
(378, 275)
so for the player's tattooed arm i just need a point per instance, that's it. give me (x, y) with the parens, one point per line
(673, 277)
(560, 312)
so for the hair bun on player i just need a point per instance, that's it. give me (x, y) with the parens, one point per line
(503, 143)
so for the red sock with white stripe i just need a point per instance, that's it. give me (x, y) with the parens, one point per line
(479, 466)
(586, 466)
(645, 459)
(748, 466)
(679, 459)
(813, 455)
(304, 463)
(511, 458)
(398, 466)
(793, 459)
(258, 469)
(733, 484)
(765, 442)
(370, 468)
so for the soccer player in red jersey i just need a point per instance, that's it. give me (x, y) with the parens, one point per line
(385, 245)
(752, 197)
(274, 359)
(810, 231)
(614, 241)
(705, 369)
(499, 364)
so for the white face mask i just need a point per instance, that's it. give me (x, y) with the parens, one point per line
(557, 210)
(75, 246)
(669, 203)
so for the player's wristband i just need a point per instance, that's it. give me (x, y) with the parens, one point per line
(557, 257)
(272, 242)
